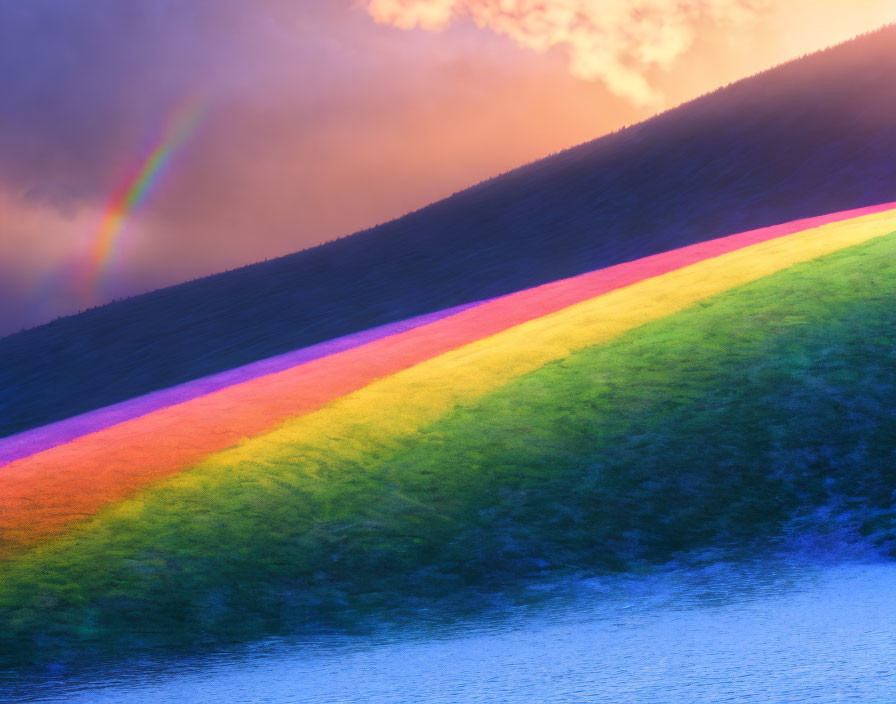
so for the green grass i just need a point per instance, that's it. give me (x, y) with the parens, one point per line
(712, 427)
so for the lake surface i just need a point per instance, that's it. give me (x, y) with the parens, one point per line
(776, 631)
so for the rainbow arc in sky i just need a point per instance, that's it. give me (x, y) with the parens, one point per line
(180, 126)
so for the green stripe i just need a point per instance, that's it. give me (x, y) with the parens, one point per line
(713, 424)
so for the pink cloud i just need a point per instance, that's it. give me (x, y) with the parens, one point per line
(614, 41)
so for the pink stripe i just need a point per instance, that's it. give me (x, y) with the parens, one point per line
(43, 438)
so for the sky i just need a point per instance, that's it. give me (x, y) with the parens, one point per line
(147, 142)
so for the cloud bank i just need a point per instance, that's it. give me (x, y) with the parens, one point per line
(613, 41)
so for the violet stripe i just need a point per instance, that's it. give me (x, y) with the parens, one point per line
(28, 442)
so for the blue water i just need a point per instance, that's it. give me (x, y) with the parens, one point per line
(779, 631)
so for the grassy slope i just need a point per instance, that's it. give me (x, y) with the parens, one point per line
(45, 493)
(713, 425)
(810, 137)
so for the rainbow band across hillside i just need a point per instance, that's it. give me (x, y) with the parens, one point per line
(380, 386)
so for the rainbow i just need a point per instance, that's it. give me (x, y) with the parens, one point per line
(217, 470)
(181, 125)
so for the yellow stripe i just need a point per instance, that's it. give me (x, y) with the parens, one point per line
(380, 415)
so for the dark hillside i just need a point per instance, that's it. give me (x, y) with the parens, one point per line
(813, 136)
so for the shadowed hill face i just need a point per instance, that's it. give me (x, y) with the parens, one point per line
(810, 137)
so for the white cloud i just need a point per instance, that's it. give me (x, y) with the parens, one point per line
(613, 41)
